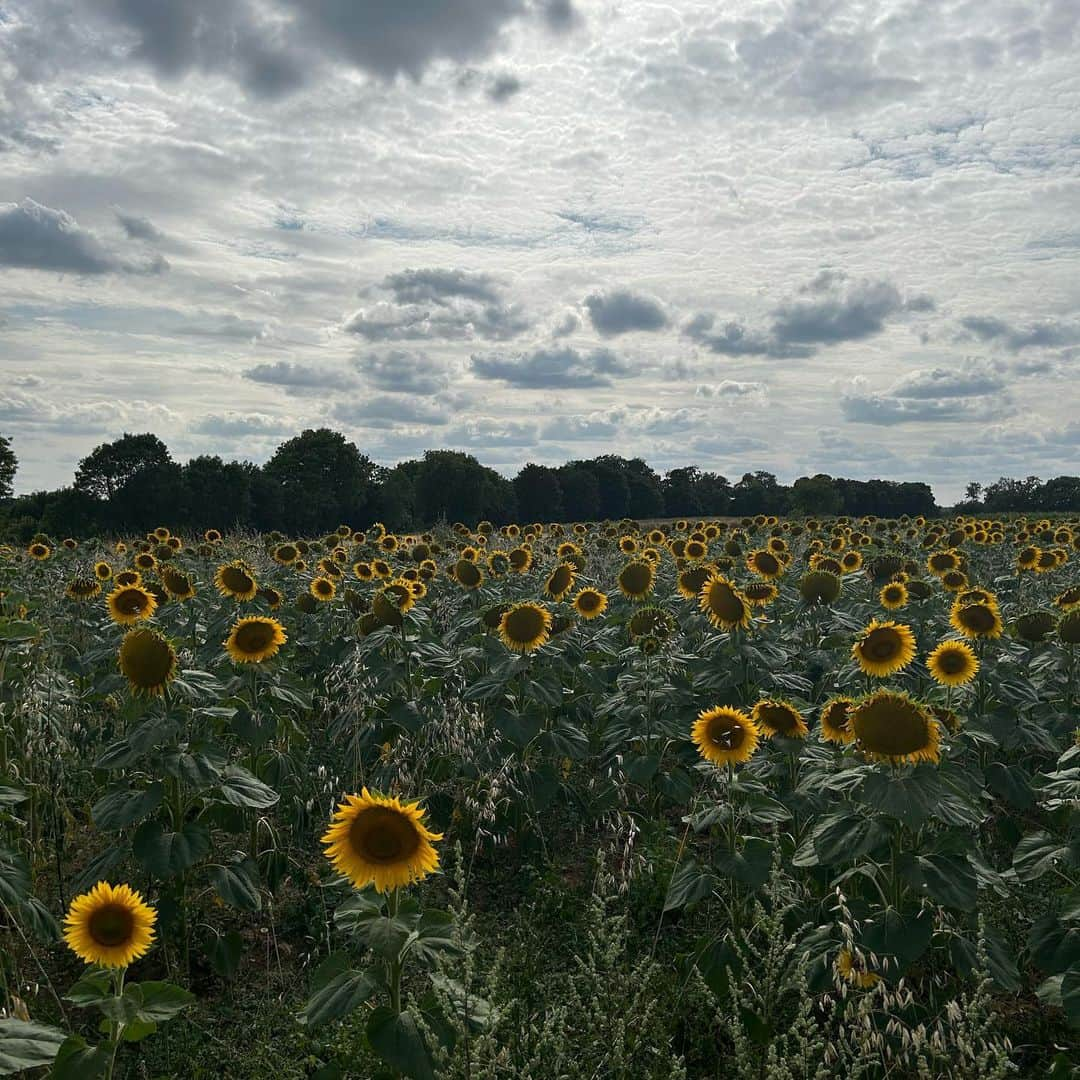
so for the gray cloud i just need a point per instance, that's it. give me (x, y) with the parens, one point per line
(963, 380)
(233, 425)
(388, 410)
(138, 228)
(300, 378)
(1047, 334)
(832, 308)
(441, 286)
(861, 406)
(621, 311)
(735, 339)
(36, 237)
(503, 87)
(402, 372)
(552, 368)
(731, 392)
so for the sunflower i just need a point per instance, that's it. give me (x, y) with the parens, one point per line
(177, 583)
(651, 621)
(211, 536)
(520, 559)
(775, 717)
(765, 563)
(147, 660)
(381, 569)
(102, 571)
(761, 593)
(468, 574)
(110, 926)
(893, 596)
(254, 639)
(236, 580)
(851, 561)
(525, 627)
(273, 598)
(836, 720)
(128, 577)
(144, 561)
(559, 582)
(941, 562)
(724, 605)
(285, 554)
(891, 727)
(323, 588)
(852, 969)
(83, 588)
(690, 582)
(884, 648)
(392, 602)
(1069, 628)
(819, 587)
(1035, 625)
(1069, 599)
(976, 620)
(695, 550)
(725, 735)
(636, 580)
(954, 580)
(128, 604)
(39, 551)
(952, 663)
(377, 840)
(589, 603)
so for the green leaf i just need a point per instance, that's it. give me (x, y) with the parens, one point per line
(158, 1001)
(224, 952)
(92, 988)
(751, 865)
(395, 1038)
(1037, 854)
(119, 809)
(688, 884)
(98, 869)
(240, 788)
(1011, 783)
(78, 1060)
(950, 880)
(11, 794)
(24, 1045)
(1070, 995)
(842, 837)
(14, 877)
(1054, 946)
(238, 884)
(166, 854)
(345, 992)
(891, 934)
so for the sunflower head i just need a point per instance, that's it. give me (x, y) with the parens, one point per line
(765, 563)
(891, 727)
(102, 571)
(468, 574)
(177, 584)
(851, 967)
(83, 588)
(590, 603)
(819, 587)
(560, 581)
(636, 579)
(893, 596)
(761, 593)
(147, 660)
(525, 627)
(255, 639)
(884, 648)
(724, 606)
(976, 620)
(652, 621)
(235, 579)
(1069, 628)
(110, 926)
(128, 604)
(776, 717)
(39, 551)
(725, 735)
(836, 720)
(323, 588)
(380, 841)
(952, 663)
(692, 580)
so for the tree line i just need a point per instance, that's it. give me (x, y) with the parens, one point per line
(320, 479)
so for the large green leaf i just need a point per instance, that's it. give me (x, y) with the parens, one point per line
(396, 1039)
(345, 992)
(1039, 853)
(689, 883)
(950, 880)
(119, 809)
(751, 865)
(240, 788)
(25, 1045)
(238, 884)
(166, 854)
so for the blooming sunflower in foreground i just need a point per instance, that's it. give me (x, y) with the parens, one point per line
(560, 581)
(525, 627)
(725, 735)
(976, 620)
(891, 727)
(323, 588)
(836, 720)
(724, 605)
(177, 584)
(147, 660)
(852, 969)
(589, 603)
(255, 639)
(235, 580)
(128, 604)
(636, 579)
(373, 839)
(111, 926)
(884, 648)
(775, 717)
(952, 663)
(893, 596)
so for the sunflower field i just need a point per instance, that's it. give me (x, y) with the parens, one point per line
(747, 798)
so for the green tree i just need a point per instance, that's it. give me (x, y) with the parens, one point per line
(104, 471)
(9, 463)
(539, 493)
(217, 493)
(455, 486)
(815, 495)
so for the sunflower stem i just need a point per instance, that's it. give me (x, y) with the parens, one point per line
(116, 1027)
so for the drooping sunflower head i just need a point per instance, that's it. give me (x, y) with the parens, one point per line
(691, 581)
(636, 579)
(1035, 626)
(892, 727)
(392, 602)
(590, 603)
(653, 621)
(525, 627)
(235, 579)
(836, 720)
(725, 735)
(976, 596)
(520, 559)
(285, 554)
(177, 584)
(952, 663)
(893, 596)
(273, 598)
(468, 574)
(560, 581)
(102, 571)
(1068, 628)
(128, 604)
(1069, 599)
(212, 536)
(954, 581)
(144, 561)
(255, 639)
(884, 648)
(83, 588)
(492, 617)
(724, 606)
(819, 587)
(776, 717)
(111, 926)
(976, 620)
(323, 588)
(380, 841)
(761, 593)
(147, 660)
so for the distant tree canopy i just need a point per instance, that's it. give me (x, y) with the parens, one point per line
(319, 480)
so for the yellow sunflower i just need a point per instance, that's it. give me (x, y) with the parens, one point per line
(560, 581)
(884, 648)
(323, 588)
(724, 735)
(636, 579)
(382, 841)
(102, 571)
(111, 926)
(775, 717)
(820, 587)
(724, 605)
(893, 596)
(836, 720)
(589, 603)
(761, 593)
(952, 663)
(39, 552)
(852, 969)
(236, 580)
(127, 577)
(690, 582)
(177, 584)
(765, 563)
(468, 574)
(147, 660)
(525, 627)
(976, 620)
(891, 727)
(83, 588)
(254, 639)
(128, 604)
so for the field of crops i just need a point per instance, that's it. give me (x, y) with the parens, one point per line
(752, 798)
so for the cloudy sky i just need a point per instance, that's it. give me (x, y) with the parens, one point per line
(797, 235)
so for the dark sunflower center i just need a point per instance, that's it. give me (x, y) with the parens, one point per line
(838, 716)
(589, 601)
(892, 727)
(726, 733)
(254, 637)
(145, 658)
(111, 925)
(383, 835)
(881, 644)
(131, 602)
(236, 580)
(636, 578)
(724, 603)
(778, 718)
(525, 624)
(977, 617)
(952, 662)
